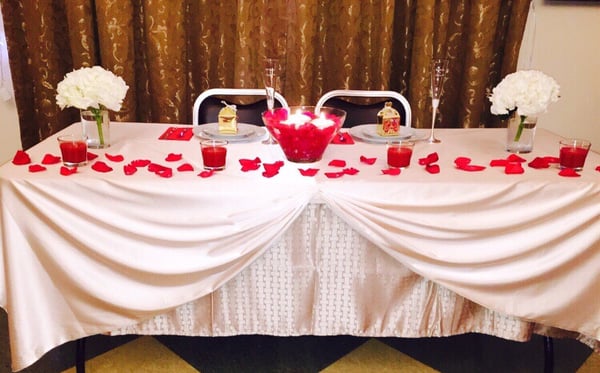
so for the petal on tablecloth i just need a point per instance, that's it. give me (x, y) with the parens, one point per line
(115, 157)
(50, 159)
(366, 160)
(21, 158)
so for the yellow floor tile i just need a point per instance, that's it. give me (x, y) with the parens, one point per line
(144, 354)
(375, 356)
(591, 365)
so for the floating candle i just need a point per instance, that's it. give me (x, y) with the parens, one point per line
(322, 122)
(297, 118)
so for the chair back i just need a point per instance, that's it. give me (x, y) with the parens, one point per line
(365, 113)
(208, 104)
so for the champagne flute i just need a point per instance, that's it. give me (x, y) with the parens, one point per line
(270, 79)
(439, 68)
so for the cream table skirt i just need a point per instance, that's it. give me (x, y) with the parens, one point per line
(323, 278)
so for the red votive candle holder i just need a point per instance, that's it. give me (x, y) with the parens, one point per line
(214, 154)
(73, 150)
(399, 153)
(572, 153)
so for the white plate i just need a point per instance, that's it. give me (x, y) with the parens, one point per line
(246, 132)
(368, 133)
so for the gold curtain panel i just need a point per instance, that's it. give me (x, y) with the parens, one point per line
(168, 52)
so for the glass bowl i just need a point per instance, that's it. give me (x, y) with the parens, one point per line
(303, 134)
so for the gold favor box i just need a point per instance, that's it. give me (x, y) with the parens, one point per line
(228, 120)
(388, 121)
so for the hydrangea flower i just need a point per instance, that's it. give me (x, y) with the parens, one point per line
(94, 89)
(528, 92)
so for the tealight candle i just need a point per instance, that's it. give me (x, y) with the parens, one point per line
(297, 118)
(322, 122)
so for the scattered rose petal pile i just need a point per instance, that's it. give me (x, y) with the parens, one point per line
(543, 162)
(429, 163)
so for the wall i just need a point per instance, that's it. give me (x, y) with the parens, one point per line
(565, 44)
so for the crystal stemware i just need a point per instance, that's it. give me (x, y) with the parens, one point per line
(270, 79)
(439, 68)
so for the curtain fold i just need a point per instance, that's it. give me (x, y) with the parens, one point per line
(169, 51)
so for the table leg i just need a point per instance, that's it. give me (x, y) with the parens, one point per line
(80, 355)
(548, 355)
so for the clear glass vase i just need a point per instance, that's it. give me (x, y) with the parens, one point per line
(96, 127)
(520, 134)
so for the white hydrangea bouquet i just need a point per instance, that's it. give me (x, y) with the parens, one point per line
(94, 89)
(529, 92)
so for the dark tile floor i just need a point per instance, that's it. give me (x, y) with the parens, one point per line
(464, 353)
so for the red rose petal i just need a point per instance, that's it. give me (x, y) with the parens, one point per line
(155, 167)
(513, 168)
(91, 156)
(539, 162)
(515, 158)
(172, 157)
(21, 158)
(166, 172)
(50, 159)
(598, 168)
(366, 160)
(129, 169)
(308, 171)
(472, 168)
(206, 173)
(337, 163)
(269, 174)
(140, 162)
(185, 167)
(350, 171)
(429, 159)
(551, 159)
(498, 163)
(568, 172)
(66, 171)
(100, 166)
(36, 168)
(114, 158)
(272, 168)
(250, 164)
(462, 161)
(334, 175)
(432, 168)
(391, 171)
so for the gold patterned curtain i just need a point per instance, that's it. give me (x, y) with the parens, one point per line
(168, 51)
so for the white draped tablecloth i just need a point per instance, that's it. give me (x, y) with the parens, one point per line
(107, 252)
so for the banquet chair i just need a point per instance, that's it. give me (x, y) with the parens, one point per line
(208, 103)
(357, 113)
